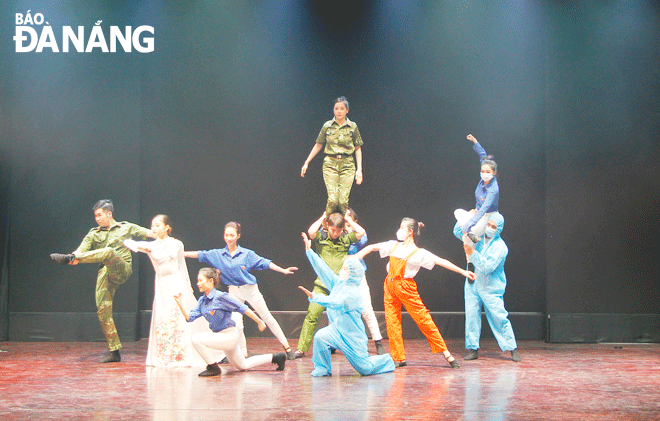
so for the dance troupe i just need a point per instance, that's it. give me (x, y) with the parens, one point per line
(189, 332)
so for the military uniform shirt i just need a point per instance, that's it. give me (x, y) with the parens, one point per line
(333, 251)
(339, 139)
(113, 237)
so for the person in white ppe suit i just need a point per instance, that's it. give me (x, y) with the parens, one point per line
(487, 290)
(344, 308)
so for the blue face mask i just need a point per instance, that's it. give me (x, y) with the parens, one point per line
(490, 233)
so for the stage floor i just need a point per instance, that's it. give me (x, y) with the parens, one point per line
(58, 381)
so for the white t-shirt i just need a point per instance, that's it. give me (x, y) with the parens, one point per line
(422, 258)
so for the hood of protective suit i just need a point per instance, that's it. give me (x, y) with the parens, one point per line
(355, 271)
(499, 220)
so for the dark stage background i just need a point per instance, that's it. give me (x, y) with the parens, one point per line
(215, 124)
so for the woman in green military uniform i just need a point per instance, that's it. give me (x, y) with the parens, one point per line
(340, 140)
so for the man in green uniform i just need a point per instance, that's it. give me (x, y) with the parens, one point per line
(332, 246)
(105, 245)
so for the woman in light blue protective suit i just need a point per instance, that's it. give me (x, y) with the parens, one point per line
(487, 289)
(344, 308)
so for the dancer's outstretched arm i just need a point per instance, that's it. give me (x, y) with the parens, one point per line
(450, 266)
(288, 271)
(368, 249)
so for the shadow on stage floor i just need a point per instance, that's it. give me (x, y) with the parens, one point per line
(48, 381)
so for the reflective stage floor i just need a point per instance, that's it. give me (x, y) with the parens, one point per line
(58, 381)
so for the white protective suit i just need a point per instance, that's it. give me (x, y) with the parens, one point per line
(488, 290)
(346, 330)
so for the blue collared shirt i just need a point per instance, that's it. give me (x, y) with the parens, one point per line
(234, 270)
(487, 195)
(216, 308)
(355, 247)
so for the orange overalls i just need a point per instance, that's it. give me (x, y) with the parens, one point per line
(399, 290)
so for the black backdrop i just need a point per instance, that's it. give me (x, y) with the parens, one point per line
(215, 124)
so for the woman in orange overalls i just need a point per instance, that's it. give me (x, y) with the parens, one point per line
(400, 289)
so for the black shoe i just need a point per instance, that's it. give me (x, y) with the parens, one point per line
(112, 357)
(398, 364)
(62, 259)
(223, 361)
(515, 357)
(473, 238)
(453, 363)
(280, 360)
(290, 354)
(472, 355)
(211, 370)
(380, 350)
(298, 354)
(332, 351)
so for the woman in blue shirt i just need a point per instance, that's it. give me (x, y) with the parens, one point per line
(217, 307)
(487, 195)
(235, 264)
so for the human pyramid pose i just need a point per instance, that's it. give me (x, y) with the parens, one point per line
(340, 286)
(486, 252)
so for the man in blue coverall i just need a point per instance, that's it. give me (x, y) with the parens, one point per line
(487, 290)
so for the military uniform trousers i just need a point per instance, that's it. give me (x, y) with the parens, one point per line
(338, 175)
(113, 272)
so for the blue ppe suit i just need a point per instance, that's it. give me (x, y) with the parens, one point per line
(488, 290)
(346, 330)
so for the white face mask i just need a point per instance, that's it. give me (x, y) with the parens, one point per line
(490, 233)
(486, 176)
(402, 234)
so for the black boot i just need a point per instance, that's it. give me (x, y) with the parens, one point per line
(290, 354)
(211, 370)
(298, 354)
(379, 348)
(62, 259)
(280, 360)
(112, 357)
(515, 356)
(472, 355)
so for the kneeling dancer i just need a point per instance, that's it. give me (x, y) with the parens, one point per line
(216, 307)
(346, 330)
